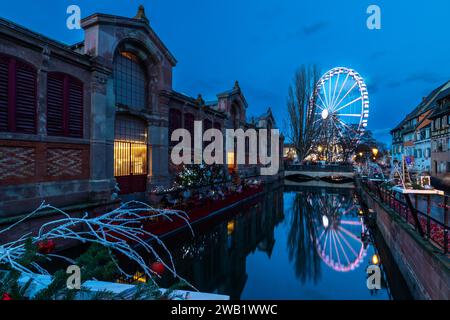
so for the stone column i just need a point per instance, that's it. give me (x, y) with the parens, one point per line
(102, 119)
(42, 94)
(158, 155)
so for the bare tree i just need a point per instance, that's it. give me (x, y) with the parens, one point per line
(301, 110)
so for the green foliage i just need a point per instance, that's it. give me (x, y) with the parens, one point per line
(199, 175)
(9, 278)
(9, 284)
(150, 291)
(96, 263)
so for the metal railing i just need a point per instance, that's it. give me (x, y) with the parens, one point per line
(430, 228)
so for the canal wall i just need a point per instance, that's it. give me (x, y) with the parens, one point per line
(425, 269)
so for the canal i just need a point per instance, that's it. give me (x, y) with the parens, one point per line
(309, 243)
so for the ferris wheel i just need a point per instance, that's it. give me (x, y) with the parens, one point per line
(341, 106)
(338, 229)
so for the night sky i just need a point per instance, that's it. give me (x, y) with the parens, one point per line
(262, 42)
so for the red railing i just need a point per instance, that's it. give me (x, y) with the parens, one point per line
(430, 228)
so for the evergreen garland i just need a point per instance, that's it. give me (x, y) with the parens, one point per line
(96, 263)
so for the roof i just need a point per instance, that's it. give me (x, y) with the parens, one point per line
(445, 93)
(427, 104)
(235, 91)
(139, 21)
(14, 27)
(443, 109)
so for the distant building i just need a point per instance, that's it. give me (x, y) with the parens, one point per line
(440, 139)
(77, 119)
(411, 138)
(289, 152)
(397, 143)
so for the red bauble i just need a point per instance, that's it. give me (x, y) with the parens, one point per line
(6, 297)
(46, 247)
(158, 268)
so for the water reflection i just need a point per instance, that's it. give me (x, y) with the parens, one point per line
(215, 259)
(296, 244)
(302, 240)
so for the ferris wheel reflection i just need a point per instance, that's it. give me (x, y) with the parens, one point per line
(332, 232)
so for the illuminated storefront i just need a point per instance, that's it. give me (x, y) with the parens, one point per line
(130, 154)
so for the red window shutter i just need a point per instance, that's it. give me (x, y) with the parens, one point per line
(189, 125)
(75, 108)
(25, 98)
(64, 106)
(17, 96)
(189, 122)
(3, 94)
(174, 123)
(55, 104)
(207, 124)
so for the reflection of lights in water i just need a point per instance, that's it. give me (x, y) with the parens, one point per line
(230, 227)
(325, 221)
(375, 259)
(198, 247)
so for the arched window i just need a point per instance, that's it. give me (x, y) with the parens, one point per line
(235, 116)
(232, 154)
(189, 126)
(17, 96)
(129, 80)
(174, 123)
(207, 124)
(217, 126)
(64, 105)
(269, 137)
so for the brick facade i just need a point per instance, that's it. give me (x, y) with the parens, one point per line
(63, 168)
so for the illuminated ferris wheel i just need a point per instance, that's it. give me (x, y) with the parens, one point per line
(341, 107)
(338, 229)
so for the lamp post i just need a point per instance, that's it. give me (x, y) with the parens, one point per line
(375, 152)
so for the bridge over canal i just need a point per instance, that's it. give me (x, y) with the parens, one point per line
(320, 175)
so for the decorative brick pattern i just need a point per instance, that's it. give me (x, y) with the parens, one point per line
(64, 162)
(17, 162)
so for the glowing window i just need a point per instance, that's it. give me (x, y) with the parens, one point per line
(130, 147)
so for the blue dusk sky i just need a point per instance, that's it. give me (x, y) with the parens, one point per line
(261, 43)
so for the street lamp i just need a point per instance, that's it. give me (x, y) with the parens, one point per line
(375, 259)
(320, 148)
(375, 151)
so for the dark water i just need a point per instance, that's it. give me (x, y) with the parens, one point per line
(302, 244)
